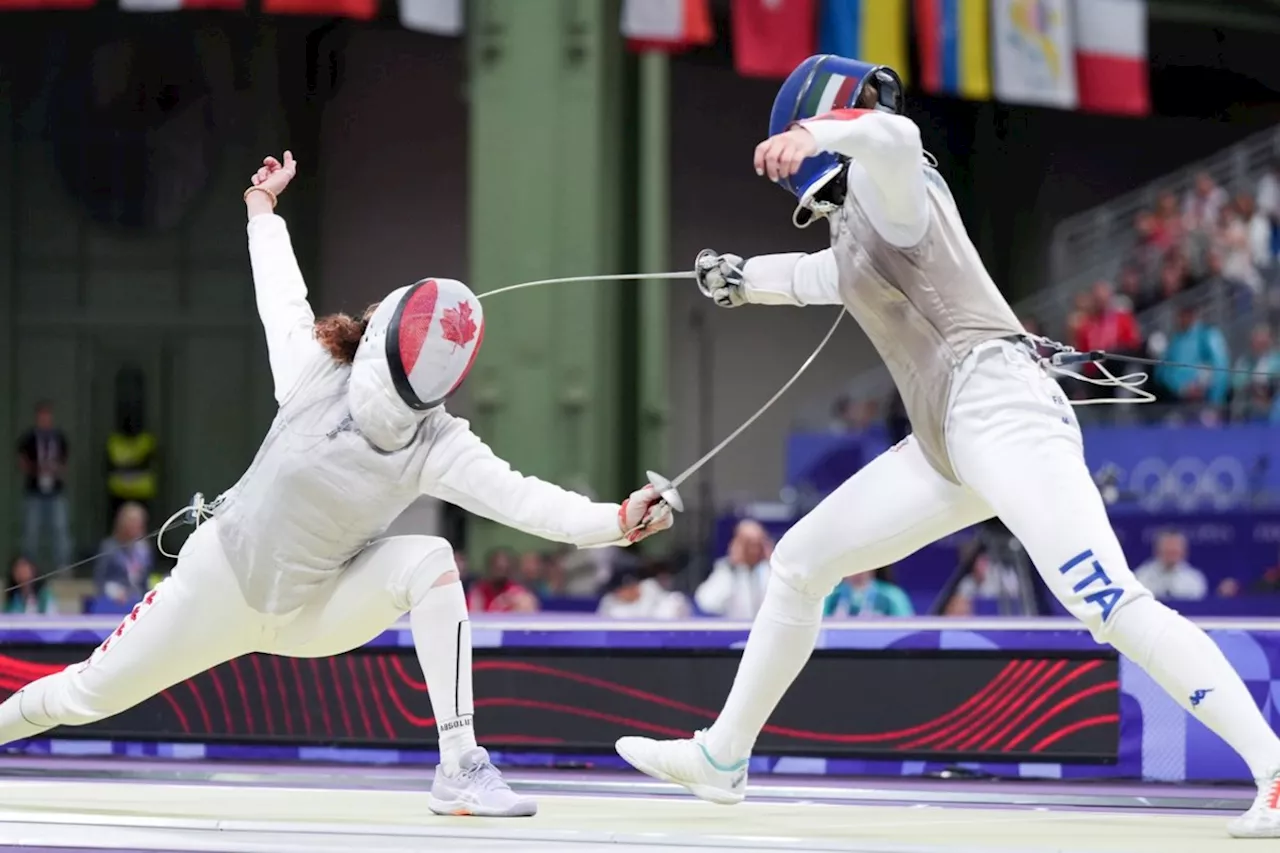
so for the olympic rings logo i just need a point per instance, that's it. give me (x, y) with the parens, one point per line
(1189, 483)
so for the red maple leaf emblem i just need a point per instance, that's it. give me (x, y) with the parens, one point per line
(458, 327)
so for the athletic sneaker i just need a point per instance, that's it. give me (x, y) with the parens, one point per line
(476, 788)
(1263, 819)
(687, 763)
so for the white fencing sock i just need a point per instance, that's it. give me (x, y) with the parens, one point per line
(442, 637)
(1193, 670)
(782, 639)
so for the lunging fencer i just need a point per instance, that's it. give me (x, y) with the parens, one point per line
(291, 562)
(993, 434)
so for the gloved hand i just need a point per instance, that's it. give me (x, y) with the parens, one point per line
(720, 277)
(643, 514)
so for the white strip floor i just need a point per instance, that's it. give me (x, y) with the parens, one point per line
(121, 815)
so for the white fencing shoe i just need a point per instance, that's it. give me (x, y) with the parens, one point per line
(1262, 820)
(476, 788)
(687, 763)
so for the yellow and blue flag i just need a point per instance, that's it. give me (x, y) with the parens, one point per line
(954, 43)
(873, 31)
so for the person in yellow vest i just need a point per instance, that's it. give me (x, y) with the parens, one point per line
(131, 465)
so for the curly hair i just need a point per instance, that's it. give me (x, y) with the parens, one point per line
(340, 334)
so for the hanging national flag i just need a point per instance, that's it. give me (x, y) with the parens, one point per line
(44, 5)
(438, 17)
(179, 5)
(771, 37)
(1033, 51)
(359, 9)
(871, 30)
(954, 47)
(666, 24)
(1111, 56)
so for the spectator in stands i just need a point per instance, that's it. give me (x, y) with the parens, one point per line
(42, 459)
(1269, 582)
(868, 594)
(122, 574)
(529, 574)
(497, 592)
(1168, 574)
(554, 577)
(988, 579)
(634, 594)
(735, 587)
(1168, 222)
(1253, 396)
(1108, 326)
(29, 592)
(1202, 204)
(1196, 342)
(1150, 248)
(1269, 202)
(1259, 229)
(852, 415)
(1134, 290)
(1233, 241)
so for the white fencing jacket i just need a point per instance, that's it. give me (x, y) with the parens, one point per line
(319, 491)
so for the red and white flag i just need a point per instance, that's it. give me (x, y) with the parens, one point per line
(666, 24)
(1111, 56)
(772, 37)
(438, 17)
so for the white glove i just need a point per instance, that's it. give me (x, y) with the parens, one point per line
(643, 514)
(720, 277)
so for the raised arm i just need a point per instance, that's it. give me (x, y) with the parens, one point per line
(462, 470)
(794, 278)
(278, 286)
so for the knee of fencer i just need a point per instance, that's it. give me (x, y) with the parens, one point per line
(1134, 626)
(789, 599)
(429, 563)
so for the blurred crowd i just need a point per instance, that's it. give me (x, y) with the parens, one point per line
(1201, 286)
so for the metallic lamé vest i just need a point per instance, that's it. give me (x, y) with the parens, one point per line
(316, 494)
(924, 308)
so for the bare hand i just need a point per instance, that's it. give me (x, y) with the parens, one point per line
(780, 156)
(275, 176)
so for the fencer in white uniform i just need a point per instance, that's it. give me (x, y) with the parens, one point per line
(993, 433)
(291, 562)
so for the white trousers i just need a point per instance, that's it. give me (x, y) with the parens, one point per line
(1016, 448)
(1017, 451)
(197, 618)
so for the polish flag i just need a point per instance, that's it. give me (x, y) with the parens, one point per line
(1111, 56)
(669, 25)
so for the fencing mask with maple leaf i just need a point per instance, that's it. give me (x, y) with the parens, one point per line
(417, 348)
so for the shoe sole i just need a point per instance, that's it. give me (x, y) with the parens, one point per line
(523, 808)
(711, 794)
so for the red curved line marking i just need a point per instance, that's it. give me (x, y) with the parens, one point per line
(284, 699)
(200, 706)
(413, 683)
(1040, 700)
(222, 699)
(997, 688)
(409, 717)
(342, 700)
(28, 669)
(292, 665)
(262, 692)
(575, 711)
(1000, 708)
(366, 725)
(377, 696)
(780, 731)
(177, 711)
(1066, 703)
(320, 696)
(1044, 674)
(246, 713)
(1079, 725)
